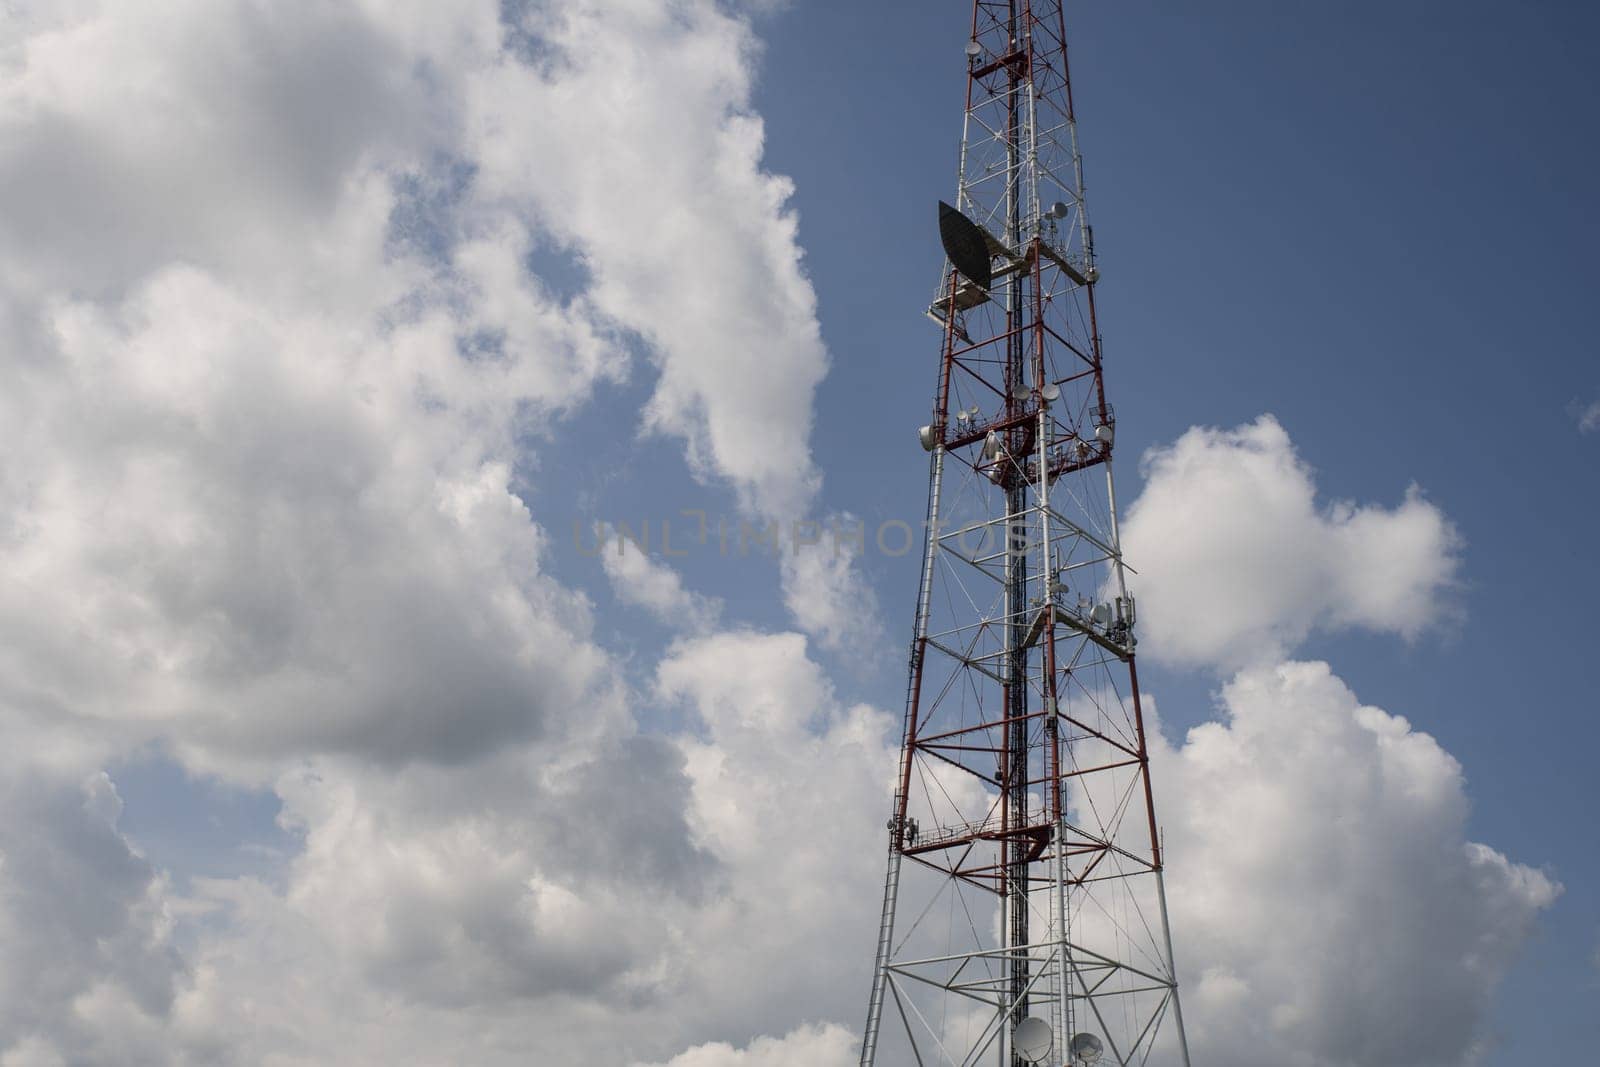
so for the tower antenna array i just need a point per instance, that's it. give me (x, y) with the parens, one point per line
(1024, 912)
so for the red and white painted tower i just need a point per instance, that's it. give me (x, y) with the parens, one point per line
(1024, 915)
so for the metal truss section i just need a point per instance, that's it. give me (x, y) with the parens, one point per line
(1024, 878)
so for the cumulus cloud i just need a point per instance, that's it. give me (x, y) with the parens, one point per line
(273, 365)
(621, 908)
(824, 588)
(306, 348)
(269, 540)
(212, 133)
(688, 241)
(90, 967)
(1588, 417)
(1238, 561)
(482, 887)
(1328, 905)
(810, 1046)
(259, 465)
(648, 582)
(775, 760)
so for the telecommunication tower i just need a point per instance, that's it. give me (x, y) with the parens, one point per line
(1024, 914)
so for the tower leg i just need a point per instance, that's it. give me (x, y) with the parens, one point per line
(880, 971)
(1177, 1005)
(891, 881)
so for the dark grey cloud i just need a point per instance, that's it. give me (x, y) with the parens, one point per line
(83, 925)
(200, 132)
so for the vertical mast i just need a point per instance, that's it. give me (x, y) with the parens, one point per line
(1015, 774)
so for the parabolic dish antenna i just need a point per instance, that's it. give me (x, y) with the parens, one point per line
(1031, 1039)
(964, 245)
(1085, 1048)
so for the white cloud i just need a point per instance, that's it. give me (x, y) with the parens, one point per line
(263, 491)
(88, 964)
(824, 588)
(213, 133)
(649, 901)
(475, 887)
(1328, 906)
(1238, 563)
(810, 1046)
(775, 762)
(1588, 417)
(278, 534)
(271, 359)
(286, 444)
(688, 240)
(648, 582)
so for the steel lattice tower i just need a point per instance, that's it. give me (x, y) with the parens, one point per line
(1024, 906)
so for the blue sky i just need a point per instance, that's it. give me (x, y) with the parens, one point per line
(1374, 223)
(1370, 222)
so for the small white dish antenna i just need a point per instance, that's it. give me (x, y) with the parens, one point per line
(1051, 392)
(1019, 392)
(1104, 432)
(973, 411)
(962, 416)
(925, 435)
(991, 445)
(1032, 1039)
(1085, 1048)
(1058, 210)
(974, 49)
